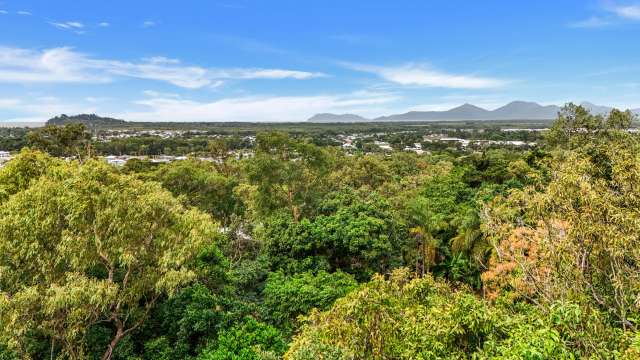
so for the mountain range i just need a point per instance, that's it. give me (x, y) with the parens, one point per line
(516, 110)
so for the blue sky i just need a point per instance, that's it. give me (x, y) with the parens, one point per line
(274, 60)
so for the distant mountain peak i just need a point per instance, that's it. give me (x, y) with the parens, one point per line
(468, 107)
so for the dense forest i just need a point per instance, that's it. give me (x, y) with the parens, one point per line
(305, 252)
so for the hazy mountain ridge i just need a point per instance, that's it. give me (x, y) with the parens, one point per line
(515, 110)
(328, 117)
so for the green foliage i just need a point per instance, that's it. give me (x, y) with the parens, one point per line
(355, 232)
(183, 325)
(405, 318)
(576, 127)
(87, 245)
(363, 171)
(396, 318)
(27, 167)
(287, 174)
(287, 297)
(484, 253)
(582, 228)
(200, 185)
(69, 140)
(251, 340)
(139, 166)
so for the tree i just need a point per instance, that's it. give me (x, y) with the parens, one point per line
(68, 140)
(200, 185)
(287, 174)
(27, 167)
(421, 318)
(250, 340)
(356, 232)
(579, 240)
(356, 172)
(432, 214)
(287, 297)
(86, 245)
(576, 239)
(427, 221)
(576, 127)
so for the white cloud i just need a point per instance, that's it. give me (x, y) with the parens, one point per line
(22, 12)
(68, 25)
(422, 75)
(274, 74)
(611, 14)
(149, 23)
(59, 65)
(104, 24)
(631, 12)
(41, 108)
(4, 12)
(256, 108)
(592, 22)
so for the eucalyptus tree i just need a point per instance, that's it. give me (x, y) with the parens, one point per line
(286, 173)
(85, 245)
(70, 140)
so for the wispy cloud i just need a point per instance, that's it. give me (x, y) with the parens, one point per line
(104, 24)
(41, 108)
(149, 23)
(610, 13)
(25, 13)
(75, 26)
(60, 65)
(3, 12)
(630, 12)
(592, 22)
(426, 76)
(256, 108)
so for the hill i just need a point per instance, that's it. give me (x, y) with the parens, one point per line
(333, 118)
(90, 120)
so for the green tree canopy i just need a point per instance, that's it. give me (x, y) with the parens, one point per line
(87, 245)
(200, 185)
(68, 140)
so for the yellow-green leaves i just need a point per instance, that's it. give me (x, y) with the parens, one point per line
(90, 245)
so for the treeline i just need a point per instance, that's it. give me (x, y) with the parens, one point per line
(398, 135)
(303, 252)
